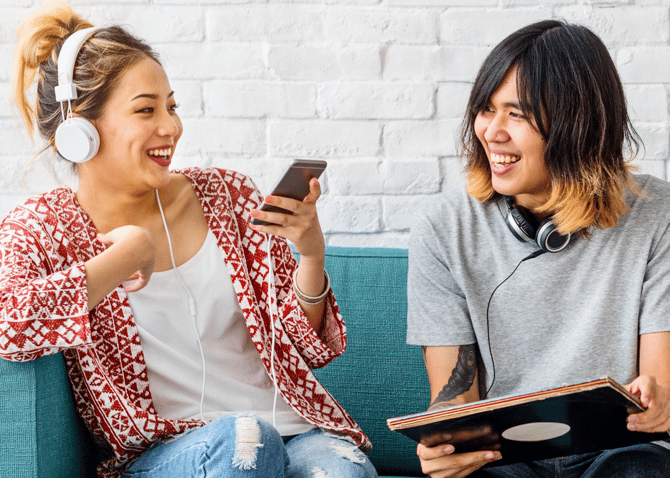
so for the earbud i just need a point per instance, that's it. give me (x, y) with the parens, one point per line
(526, 228)
(77, 140)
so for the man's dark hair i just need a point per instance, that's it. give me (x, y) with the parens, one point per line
(570, 90)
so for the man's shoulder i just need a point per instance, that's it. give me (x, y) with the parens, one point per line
(652, 185)
(652, 199)
(452, 205)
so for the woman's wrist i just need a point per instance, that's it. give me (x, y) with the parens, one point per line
(313, 261)
(309, 276)
(309, 299)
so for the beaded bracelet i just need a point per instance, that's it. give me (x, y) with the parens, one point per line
(307, 299)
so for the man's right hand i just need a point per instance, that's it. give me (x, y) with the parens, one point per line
(439, 459)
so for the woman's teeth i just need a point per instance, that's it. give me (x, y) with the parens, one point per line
(163, 153)
(504, 159)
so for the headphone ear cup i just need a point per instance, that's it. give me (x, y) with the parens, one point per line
(522, 224)
(548, 237)
(77, 140)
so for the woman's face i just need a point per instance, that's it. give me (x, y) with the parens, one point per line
(139, 128)
(515, 149)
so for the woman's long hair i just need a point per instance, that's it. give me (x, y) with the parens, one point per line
(100, 63)
(568, 84)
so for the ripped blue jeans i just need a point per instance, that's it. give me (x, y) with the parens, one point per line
(247, 447)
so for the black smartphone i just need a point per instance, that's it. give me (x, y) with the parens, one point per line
(293, 184)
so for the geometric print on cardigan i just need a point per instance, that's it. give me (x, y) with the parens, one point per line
(44, 245)
(320, 408)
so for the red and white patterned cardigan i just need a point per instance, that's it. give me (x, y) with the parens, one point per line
(43, 310)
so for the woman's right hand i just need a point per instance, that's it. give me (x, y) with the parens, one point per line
(130, 255)
(138, 237)
(440, 460)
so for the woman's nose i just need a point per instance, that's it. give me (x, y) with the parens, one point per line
(168, 125)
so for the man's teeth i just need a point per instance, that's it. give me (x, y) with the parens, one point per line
(503, 159)
(160, 152)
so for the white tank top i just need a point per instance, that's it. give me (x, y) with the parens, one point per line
(236, 380)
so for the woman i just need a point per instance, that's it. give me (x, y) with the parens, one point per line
(553, 265)
(177, 317)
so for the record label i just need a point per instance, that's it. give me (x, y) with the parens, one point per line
(538, 431)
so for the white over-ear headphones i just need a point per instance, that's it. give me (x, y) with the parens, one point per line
(77, 140)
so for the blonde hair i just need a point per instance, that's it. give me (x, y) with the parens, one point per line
(100, 63)
(597, 201)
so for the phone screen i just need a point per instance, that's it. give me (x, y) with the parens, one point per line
(294, 183)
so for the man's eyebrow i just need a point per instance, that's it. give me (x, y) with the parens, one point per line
(512, 104)
(150, 96)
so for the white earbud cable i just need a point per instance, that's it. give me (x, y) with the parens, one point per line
(272, 307)
(191, 303)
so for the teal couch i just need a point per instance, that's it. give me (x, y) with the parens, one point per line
(378, 377)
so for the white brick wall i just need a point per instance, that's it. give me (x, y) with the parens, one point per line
(376, 87)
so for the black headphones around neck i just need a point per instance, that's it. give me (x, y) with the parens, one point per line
(527, 228)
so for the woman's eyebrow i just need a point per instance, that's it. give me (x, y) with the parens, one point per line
(151, 96)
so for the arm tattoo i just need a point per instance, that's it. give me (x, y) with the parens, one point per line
(462, 377)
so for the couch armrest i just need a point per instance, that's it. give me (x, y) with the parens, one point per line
(41, 434)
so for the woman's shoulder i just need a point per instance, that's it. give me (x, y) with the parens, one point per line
(213, 183)
(42, 207)
(213, 175)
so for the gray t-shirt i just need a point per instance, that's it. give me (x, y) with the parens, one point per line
(560, 318)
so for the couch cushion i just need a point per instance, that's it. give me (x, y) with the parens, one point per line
(41, 434)
(378, 376)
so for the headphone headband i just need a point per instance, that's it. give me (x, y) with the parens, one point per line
(76, 139)
(66, 90)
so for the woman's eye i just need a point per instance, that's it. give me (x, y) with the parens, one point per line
(174, 107)
(146, 110)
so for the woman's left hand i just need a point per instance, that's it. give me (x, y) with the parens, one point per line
(656, 418)
(302, 227)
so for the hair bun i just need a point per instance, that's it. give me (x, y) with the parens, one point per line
(39, 35)
(40, 32)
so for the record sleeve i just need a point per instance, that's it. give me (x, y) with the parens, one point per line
(568, 420)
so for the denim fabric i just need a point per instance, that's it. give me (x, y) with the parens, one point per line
(334, 456)
(639, 461)
(215, 451)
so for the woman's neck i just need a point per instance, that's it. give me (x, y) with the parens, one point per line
(112, 208)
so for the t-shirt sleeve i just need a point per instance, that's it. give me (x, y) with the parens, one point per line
(437, 310)
(655, 297)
